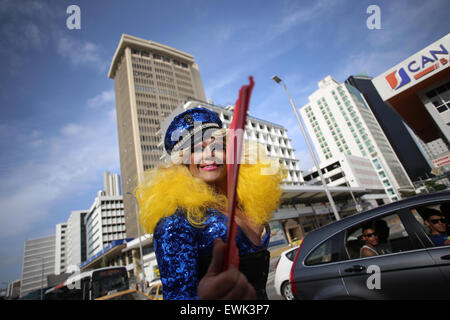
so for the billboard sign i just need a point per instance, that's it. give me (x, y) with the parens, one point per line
(414, 69)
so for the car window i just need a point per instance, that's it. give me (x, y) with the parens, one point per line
(434, 219)
(377, 237)
(325, 253)
(291, 254)
(420, 220)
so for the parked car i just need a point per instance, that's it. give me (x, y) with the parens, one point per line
(282, 271)
(155, 292)
(404, 263)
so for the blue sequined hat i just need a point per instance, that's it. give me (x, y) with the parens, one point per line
(185, 128)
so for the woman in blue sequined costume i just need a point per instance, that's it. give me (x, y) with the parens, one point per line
(183, 203)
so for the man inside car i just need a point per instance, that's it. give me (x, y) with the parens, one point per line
(437, 224)
(371, 242)
(445, 210)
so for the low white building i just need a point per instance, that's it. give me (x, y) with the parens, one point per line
(349, 171)
(345, 170)
(14, 289)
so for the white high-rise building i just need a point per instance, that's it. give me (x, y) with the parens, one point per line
(345, 171)
(339, 121)
(38, 263)
(112, 184)
(87, 232)
(60, 248)
(75, 240)
(105, 219)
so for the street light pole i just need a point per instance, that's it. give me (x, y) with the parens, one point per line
(140, 243)
(316, 163)
(357, 205)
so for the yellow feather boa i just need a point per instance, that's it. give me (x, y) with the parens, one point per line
(165, 189)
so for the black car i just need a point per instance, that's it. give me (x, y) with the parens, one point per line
(384, 253)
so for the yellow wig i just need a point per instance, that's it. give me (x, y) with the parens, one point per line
(170, 187)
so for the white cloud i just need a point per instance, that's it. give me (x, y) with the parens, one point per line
(34, 144)
(81, 53)
(106, 98)
(25, 26)
(73, 162)
(267, 33)
(223, 81)
(69, 163)
(383, 49)
(299, 14)
(72, 129)
(35, 134)
(223, 34)
(371, 62)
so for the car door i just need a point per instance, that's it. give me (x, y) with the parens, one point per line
(441, 257)
(317, 276)
(404, 272)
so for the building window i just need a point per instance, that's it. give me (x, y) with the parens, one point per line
(377, 164)
(391, 192)
(442, 108)
(440, 97)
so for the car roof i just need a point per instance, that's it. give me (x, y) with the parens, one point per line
(318, 235)
(289, 250)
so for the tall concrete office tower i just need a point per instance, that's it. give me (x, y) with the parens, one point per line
(339, 121)
(150, 80)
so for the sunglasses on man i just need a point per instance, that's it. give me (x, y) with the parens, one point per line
(435, 221)
(370, 235)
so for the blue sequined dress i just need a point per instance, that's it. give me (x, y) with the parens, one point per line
(179, 247)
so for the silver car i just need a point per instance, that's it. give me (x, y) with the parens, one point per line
(384, 253)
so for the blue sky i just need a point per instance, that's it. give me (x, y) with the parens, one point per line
(58, 128)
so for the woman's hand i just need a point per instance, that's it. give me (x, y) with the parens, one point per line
(224, 285)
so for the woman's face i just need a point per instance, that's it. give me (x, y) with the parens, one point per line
(207, 162)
